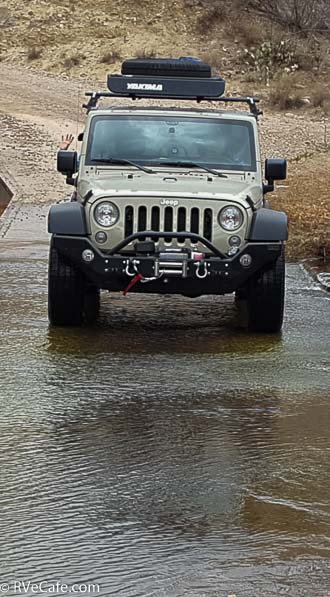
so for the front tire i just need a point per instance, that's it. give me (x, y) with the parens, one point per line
(66, 291)
(91, 304)
(265, 298)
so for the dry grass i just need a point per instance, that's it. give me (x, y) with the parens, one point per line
(207, 20)
(309, 213)
(214, 59)
(146, 53)
(72, 61)
(286, 100)
(34, 53)
(287, 94)
(292, 92)
(320, 96)
(110, 57)
(249, 33)
(304, 57)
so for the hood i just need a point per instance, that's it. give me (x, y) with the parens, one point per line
(169, 184)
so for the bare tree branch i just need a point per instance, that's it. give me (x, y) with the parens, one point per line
(303, 15)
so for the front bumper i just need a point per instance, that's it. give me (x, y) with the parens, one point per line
(213, 274)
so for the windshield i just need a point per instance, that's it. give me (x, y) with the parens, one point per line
(155, 140)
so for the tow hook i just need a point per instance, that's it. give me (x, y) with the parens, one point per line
(134, 263)
(201, 269)
(136, 275)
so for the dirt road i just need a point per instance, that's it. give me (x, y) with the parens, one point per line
(34, 111)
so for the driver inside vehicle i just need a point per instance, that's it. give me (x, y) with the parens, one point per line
(238, 146)
(66, 141)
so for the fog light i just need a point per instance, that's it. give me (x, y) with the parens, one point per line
(232, 251)
(234, 241)
(88, 255)
(245, 260)
(101, 237)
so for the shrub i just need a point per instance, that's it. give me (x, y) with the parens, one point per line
(298, 15)
(248, 32)
(72, 61)
(287, 94)
(34, 53)
(301, 15)
(207, 19)
(110, 57)
(320, 96)
(270, 57)
(214, 59)
(146, 53)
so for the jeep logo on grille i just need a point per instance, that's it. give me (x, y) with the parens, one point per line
(171, 202)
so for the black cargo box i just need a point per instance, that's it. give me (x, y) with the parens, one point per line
(166, 67)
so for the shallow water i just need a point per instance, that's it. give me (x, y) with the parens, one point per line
(164, 451)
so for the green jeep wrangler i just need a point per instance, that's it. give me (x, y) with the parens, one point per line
(168, 199)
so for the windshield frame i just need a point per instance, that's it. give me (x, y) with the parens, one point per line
(156, 163)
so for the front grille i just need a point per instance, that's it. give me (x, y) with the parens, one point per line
(169, 219)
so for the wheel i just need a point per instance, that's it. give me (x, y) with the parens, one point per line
(66, 291)
(265, 298)
(240, 294)
(91, 303)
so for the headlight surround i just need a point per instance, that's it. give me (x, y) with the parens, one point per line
(106, 214)
(230, 218)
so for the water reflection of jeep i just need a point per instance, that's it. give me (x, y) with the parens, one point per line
(168, 200)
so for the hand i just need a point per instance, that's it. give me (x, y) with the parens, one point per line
(66, 141)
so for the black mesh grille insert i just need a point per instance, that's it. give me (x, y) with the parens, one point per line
(194, 220)
(168, 219)
(142, 219)
(168, 222)
(207, 224)
(181, 219)
(155, 218)
(181, 222)
(129, 213)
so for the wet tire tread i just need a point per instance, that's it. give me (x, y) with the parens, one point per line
(265, 298)
(65, 291)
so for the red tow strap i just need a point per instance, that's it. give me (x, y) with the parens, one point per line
(132, 283)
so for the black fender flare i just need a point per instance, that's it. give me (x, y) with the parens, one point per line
(67, 218)
(268, 225)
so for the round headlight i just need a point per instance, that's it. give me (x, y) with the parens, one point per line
(106, 214)
(230, 218)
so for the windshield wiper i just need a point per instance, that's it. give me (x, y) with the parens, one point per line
(194, 165)
(122, 161)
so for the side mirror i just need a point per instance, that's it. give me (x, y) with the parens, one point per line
(275, 169)
(80, 136)
(67, 162)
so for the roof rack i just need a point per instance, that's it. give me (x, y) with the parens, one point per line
(173, 79)
(95, 96)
